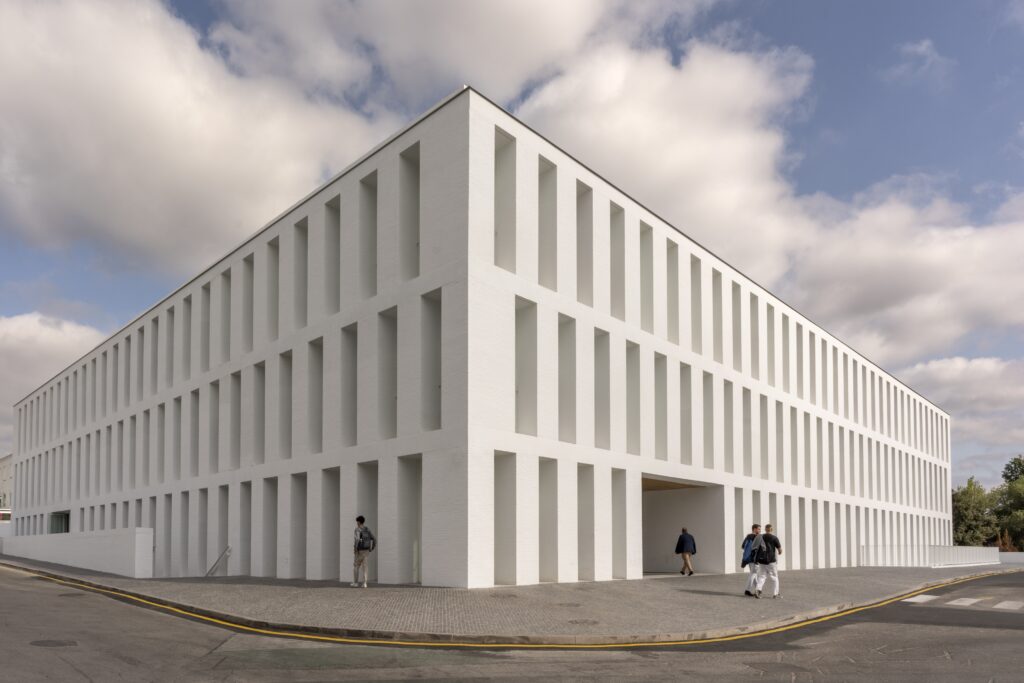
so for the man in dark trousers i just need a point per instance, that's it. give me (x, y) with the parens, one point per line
(767, 562)
(687, 547)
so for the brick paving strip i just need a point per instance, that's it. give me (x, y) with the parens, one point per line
(656, 609)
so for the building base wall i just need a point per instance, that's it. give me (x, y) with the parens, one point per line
(125, 552)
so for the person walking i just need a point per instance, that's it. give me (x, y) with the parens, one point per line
(687, 547)
(767, 562)
(747, 561)
(364, 542)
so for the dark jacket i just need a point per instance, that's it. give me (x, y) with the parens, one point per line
(686, 544)
(767, 555)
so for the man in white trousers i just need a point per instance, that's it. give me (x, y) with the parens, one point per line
(748, 559)
(767, 562)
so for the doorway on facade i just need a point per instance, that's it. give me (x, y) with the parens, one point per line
(670, 504)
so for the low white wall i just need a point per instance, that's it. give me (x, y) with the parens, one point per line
(927, 555)
(947, 555)
(1011, 558)
(127, 552)
(6, 529)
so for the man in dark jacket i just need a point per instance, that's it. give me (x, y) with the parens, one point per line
(687, 547)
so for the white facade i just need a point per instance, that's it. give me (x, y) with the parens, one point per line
(513, 370)
(6, 479)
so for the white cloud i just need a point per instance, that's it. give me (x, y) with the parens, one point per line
(701, 143)
(135, 137)
(117, 128)
(921, 63)
(903, 275)
(985, 397)
(1015, 13)
(34, 347)
(417, 51)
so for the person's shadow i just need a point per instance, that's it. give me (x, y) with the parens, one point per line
(707, 592)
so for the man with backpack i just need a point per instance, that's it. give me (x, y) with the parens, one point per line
(747, 561)
(767, 562)
(364, 543)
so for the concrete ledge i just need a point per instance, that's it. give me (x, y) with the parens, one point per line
(126, 552)
(391, 637)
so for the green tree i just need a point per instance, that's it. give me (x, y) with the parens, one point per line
(1014, 469)
(1008, 502)
(974, 520)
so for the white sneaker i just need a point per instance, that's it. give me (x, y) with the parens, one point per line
(354, 585)
(364, 585)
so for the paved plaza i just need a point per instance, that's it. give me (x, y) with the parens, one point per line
(662, 608)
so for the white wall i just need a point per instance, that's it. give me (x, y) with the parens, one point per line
(126, 552)
(160, 427)
(866, 460)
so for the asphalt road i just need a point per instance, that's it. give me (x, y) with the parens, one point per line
(51, 633)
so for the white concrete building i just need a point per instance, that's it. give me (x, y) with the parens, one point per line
(512, 369)
(6, 479)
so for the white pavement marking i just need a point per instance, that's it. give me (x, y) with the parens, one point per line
(922, 598)
(1010, 604)
(963, 602)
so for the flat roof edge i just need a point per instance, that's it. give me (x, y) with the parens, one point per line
(259, 231)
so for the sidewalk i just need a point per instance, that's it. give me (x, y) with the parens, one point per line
(649, 610)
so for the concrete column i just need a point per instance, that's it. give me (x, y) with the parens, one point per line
(387, 522)
(284, 527)
(647, 427)
(179, 546)
(603, 533)
(161, 558)
(480, 517)
(568, 560)
(728, 555)
(634, 525)
(602, 251)
(314, 524)
(547, 373)
(410, 359)
(526, 209)
(527, 519)
(237, 559)
(673, 448)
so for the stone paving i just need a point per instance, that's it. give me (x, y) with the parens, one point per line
(656, 608)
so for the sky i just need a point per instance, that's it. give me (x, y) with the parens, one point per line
(864, 161)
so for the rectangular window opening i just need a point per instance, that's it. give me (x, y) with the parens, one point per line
(409, 211)
(504, 200)
(332, 255)
(584, 244)
(547, 223)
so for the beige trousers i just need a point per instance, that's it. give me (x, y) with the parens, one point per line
(359, 563)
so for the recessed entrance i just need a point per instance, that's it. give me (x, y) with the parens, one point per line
(670, 504)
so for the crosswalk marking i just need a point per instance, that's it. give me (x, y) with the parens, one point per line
(1010, 604)
(921, 598)
(963, 602)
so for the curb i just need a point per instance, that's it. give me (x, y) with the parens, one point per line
(424, 639)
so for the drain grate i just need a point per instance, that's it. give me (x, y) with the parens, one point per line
(568, 604)
(587, 622)
(54, 643)
(71, 595)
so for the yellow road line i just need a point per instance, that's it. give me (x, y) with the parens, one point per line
(492, 646)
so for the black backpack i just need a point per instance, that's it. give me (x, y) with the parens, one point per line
(367, 541)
